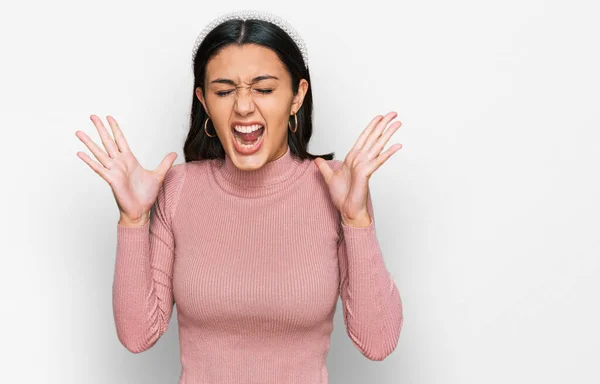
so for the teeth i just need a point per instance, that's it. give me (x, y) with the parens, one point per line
(244, 145)
(247, 128)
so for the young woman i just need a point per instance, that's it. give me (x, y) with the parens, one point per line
(252, 237)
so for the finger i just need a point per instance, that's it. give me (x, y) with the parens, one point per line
(382, 158)
(361, 139)
(107, 141)
(99, 169)
(383, 139)
(376, 133)
(96, 150)
(324, 168)
(118, 135)
(165, 165)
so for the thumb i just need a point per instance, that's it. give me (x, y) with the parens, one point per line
(325, 169)
(165, 165)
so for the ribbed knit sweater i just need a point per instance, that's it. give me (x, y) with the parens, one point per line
(254, 261)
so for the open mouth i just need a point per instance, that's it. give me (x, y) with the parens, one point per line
(248, 136)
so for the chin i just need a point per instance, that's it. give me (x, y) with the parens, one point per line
(249, 162)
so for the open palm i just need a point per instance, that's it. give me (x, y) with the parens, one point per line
(348, 185)
(135, 189)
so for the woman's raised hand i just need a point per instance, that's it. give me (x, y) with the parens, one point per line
(135, 189)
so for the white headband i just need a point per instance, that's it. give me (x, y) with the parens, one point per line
(254, 15)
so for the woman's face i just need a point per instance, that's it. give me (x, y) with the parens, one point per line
(248, 86)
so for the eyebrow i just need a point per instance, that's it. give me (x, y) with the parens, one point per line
(255, 80)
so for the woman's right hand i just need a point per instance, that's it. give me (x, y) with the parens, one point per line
(135, 189)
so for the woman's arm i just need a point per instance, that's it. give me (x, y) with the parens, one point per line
(142, 287)
(371, 301)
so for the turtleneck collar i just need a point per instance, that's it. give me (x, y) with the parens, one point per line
(272, 176)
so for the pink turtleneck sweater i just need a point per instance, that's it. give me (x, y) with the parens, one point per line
(254, 262)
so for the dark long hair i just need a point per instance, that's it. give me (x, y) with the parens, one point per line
(197, 145)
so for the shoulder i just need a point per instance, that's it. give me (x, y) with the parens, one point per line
(175, 175)
(182, 176)
(172, 185)
(196, 166)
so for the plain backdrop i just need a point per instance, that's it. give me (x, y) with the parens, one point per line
(488, 217)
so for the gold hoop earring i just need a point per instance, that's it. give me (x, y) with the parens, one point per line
(205, 124)
(296, 126)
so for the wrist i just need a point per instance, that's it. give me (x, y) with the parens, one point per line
(361, 221)
(134, 222)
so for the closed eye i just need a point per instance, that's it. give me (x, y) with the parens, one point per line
(225, 93)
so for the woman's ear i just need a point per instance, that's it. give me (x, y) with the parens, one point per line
(200, 97)
(299, 96)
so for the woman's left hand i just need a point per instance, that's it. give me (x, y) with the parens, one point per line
(348, 186)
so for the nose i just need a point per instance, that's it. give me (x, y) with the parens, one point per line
(244, 104)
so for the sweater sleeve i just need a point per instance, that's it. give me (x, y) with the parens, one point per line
(142, 287)
(371, 301)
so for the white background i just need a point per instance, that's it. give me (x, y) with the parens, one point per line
(488, 217)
